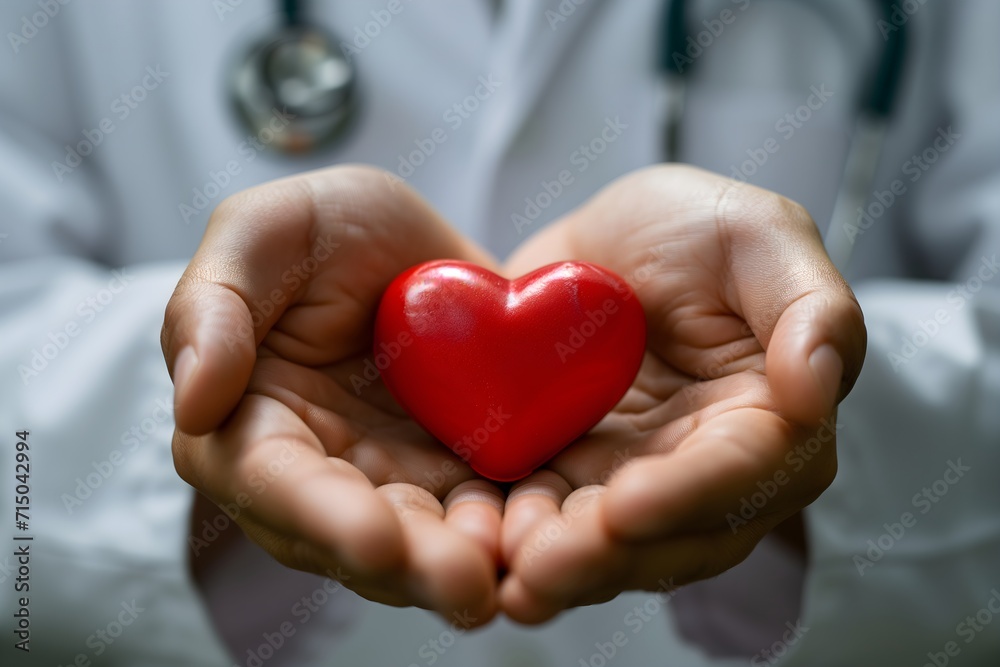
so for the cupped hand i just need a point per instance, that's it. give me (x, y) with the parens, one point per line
(753, 339)
(278, 408)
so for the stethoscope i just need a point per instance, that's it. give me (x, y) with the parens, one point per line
(869, 133)
(302, 72)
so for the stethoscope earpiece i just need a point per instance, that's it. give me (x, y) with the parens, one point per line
(295, 90)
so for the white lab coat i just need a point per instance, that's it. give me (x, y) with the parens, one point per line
(556, 85)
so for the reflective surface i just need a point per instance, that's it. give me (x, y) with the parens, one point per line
(507, 373)
(295, 91)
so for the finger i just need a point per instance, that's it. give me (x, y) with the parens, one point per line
(745, 457)
(563, 558)
(209, 334)
(587, 566)
(522, 604)
(663, 566)
(442, 571)
(475, 509)
(772, 272)
(261, 256)
(530, 597)
(529, 502)
(385, 587)
(446, 570)
(797, 303)
(274, 471)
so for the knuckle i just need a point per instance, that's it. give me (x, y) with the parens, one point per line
(747, 209)
(795, 213)
(227, 208)
(366, 174)
(379, 184)
(408, 497)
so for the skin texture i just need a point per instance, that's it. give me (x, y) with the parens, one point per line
(346, 496)
(484, 356)
(725, 272)
(739, 296)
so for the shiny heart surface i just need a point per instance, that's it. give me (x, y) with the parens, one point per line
(508, 373)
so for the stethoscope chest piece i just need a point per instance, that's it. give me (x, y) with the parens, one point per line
(294, 90)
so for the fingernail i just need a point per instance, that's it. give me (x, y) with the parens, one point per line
(184, 369)
(827, 370)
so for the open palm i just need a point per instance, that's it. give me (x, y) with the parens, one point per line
(269, 337)
(753, 337)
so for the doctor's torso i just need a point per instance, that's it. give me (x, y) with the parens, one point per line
(504, 121)
(118, 138)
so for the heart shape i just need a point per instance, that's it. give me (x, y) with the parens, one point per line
(508, 372)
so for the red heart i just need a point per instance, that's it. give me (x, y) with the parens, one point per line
(507, 373)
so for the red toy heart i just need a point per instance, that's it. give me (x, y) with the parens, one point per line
(507, 373)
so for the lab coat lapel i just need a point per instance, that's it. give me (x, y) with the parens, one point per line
(530, 42)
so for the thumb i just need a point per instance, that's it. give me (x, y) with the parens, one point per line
(227, 300)
(209, 345)
(815, 355)
(799, 306)
(335, 236)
